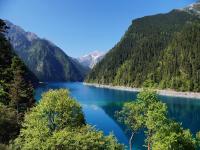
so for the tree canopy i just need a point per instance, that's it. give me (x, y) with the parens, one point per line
(57, 122)
(147, 112)
(160, 51)
(16, 89)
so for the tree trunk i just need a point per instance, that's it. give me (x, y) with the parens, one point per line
(149, 141)
(148, 145)
(130, 141)
(18, 112)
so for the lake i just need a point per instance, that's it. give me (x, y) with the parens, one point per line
(99, 106)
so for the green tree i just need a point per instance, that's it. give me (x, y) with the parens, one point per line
(16, 88)
(150, 114)
(131, 116)
(57, 122)
(137, 115)
(9, 127)
(21, 91)
(198, 139)
(4, 147)
(153, 112)
(171, 136)
(85, 138)
(3, 94)
(155, 117)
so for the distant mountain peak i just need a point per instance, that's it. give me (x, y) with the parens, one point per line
(193, 8)
(93, 54)
(91, 59)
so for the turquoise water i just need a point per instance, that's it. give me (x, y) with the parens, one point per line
(99, 106)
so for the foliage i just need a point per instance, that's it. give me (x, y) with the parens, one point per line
(198, 138)
(160, 51)
(181, 69)
(131, 116)
(84, 138)
(9, 127)
(3, 94)
(21, 91)
(16, 86)
(150, 114)
(58, 123)
(4, 147)
(173, 136)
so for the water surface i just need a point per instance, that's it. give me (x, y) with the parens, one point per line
(99, 106)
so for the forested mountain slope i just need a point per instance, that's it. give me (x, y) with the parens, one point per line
(180, 65)
(47, 61)
(141, 57)
(8, 58)
(16, 89)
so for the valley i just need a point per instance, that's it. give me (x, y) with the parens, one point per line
(101, 88)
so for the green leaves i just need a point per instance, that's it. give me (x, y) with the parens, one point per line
(57, 122)
(60, 110)
(9, 127)
(16, 89)
(162, 133)
(131, 116)
(160, 51)
(156, 116)
(173, 136)
(84, 138)
(21, 89)
(181, 60)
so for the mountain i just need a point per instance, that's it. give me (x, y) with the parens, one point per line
(47, 61)
(91, 59)
(155, 51)
(194, 8)
(17, 84)
(11, 65)
(19, 38)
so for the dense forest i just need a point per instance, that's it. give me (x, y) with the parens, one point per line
(180, 64)
(16, 89)
(160, 51)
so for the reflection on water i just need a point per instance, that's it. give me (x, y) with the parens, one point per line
(99, 106)
(186, 111)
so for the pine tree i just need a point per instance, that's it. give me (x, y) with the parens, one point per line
(16, 89)
(21, 91)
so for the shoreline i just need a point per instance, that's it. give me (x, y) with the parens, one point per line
(166, 92)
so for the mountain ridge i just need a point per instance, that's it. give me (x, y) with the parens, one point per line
(46, 60)
(137, 59)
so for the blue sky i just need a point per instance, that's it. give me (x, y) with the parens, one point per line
(82, 26)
